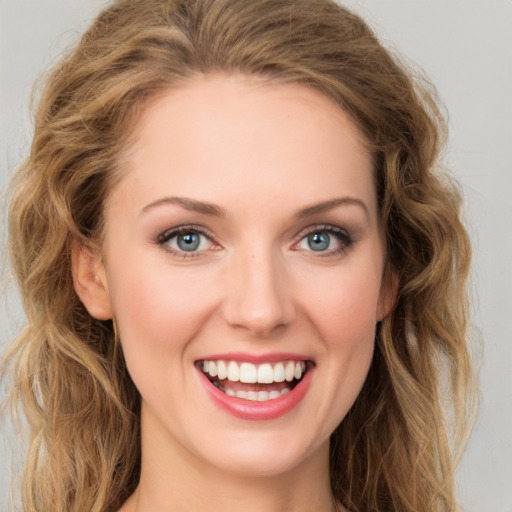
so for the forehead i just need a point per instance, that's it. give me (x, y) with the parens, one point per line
(219, 137)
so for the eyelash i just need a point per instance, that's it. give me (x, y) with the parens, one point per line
(341, 235)
(168, 235)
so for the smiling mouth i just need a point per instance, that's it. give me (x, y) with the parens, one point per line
(254, 382)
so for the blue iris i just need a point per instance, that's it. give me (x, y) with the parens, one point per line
(319, 241)
(188, 241)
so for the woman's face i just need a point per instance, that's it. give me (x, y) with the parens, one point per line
(243, 242)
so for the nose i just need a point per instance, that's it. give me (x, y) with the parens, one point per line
(259, 298)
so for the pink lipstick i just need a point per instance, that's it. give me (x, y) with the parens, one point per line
(256, 387)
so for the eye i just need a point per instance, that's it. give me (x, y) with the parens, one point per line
(319, 241)
(325, 239)
(184, 240)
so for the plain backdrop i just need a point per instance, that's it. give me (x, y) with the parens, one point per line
(465, 47)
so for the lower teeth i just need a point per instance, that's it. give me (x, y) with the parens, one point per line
(254, 396)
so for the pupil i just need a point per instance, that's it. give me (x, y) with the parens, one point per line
(318, 241)
(188, 242)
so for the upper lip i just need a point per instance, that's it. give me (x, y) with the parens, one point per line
(256, 358)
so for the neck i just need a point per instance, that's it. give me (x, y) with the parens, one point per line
(232, 494)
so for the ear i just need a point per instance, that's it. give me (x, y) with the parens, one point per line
(90, 281)
(388, 294)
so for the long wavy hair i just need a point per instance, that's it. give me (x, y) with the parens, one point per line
(396, 449)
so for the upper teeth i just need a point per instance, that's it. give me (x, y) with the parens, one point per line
(249, 373)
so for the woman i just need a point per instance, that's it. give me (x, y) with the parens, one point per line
(243, 275)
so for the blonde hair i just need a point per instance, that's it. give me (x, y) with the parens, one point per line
(394, 450)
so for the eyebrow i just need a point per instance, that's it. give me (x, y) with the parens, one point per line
(215, 211)
(188, 204)
(330, 204)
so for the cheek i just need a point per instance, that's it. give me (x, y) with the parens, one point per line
(342, 308)
(159, 310)
(343, 305)
(159, 313)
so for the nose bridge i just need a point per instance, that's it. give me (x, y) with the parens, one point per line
(259, 297)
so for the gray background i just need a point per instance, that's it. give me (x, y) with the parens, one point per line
(466, 48)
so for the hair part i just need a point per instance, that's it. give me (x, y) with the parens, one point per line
(393, 451)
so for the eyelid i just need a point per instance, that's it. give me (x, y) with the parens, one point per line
(343, 235)
(179, 230)
(168, 234)
(322, 227)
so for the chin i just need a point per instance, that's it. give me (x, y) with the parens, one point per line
(261, 455)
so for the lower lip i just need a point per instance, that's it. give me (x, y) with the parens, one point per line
(259, 411)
